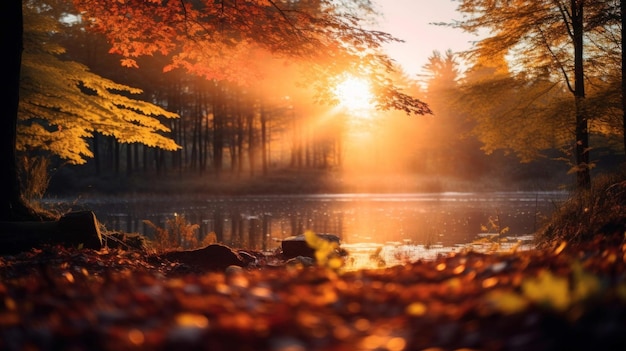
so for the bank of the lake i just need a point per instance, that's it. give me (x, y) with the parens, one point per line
(291, 181)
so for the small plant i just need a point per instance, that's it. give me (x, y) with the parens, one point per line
(177, 234)
(403, 256)
(325, 251)
(494, 226)
(209, 239)
(34, 177)
(377, 258)
(492, 234)
(430, 239)
(549, 291)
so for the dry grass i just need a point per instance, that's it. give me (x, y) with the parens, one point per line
(178, 234)
(599, 210)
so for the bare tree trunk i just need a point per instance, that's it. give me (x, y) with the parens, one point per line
(218, 131)
(251, 141)
(623, 32)
(116, 155)
(96, 153)
(194, 143)
(207, 140)
(129, 159)
(146, 160)
(236, 156)
(13, 206)
(135, 156)
(264, 143)
(583, 178)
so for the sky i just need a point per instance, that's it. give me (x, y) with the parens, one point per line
(409, 20)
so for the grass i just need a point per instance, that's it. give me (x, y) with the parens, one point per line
(599, 210)
(178, 234)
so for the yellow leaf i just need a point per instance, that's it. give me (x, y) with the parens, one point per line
(335, 263)
(416, 309)
(548, 289)
(586, 285)
(507, 302)
(560, 248)
(324, 249)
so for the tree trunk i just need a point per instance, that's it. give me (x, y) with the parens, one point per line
(251, 142)
(116, 155)
(12, 29)
(96, 153)
(219, 106)
(194, 143)
(623, 32)
(129, 160)
(583, 178)
(264, 142)
(13, 206)
(207, 140)
(135, 156)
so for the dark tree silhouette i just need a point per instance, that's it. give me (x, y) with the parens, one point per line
(13, 206)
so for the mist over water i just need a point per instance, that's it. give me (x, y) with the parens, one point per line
(260, 222)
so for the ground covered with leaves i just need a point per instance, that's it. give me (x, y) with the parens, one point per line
(562, 298)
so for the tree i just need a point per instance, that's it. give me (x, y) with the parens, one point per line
(12, 206)
(62, 103)
(448, 146)
(622, 7)
(214, 39)
(441, 72)
(556, 39)
(225, 40)
(513, 112)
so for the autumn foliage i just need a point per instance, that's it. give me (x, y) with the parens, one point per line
(63, 104)
(229, 40)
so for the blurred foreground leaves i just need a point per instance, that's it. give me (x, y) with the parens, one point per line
(565, 298)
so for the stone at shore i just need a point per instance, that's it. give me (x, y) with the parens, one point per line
(73, 229)
(213, 257)
(295, 246)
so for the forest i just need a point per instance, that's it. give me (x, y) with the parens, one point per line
(91, 112)
(132, 96)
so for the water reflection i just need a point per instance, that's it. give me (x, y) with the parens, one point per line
(259, 222)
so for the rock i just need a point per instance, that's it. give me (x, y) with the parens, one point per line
(74, 229)
(80, 227)
(214, 257)
(248, 258)
(126, 241)
(295, 246)
(301, 261)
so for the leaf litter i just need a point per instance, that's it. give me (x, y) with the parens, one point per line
(564, 298)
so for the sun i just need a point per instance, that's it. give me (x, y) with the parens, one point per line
(354, 94)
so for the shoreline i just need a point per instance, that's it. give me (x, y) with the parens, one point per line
(291, 182)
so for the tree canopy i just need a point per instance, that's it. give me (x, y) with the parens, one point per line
(62, 103)
(558, 46)
(226, 40)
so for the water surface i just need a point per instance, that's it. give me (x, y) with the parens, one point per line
(260, 222)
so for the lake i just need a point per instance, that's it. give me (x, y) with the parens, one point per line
(360, 220)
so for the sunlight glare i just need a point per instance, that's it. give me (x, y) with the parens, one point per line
(354, 94)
